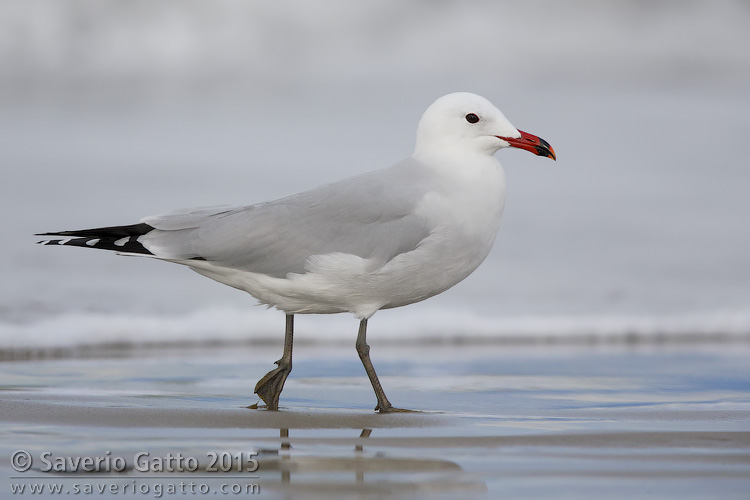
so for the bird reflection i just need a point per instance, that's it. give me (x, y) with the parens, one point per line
(302, 467)
(359, 450)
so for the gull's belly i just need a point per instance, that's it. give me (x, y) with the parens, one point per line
(342, 283)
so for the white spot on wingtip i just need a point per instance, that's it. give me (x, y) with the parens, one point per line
(121, 242)
(93, 242)
(64, 242)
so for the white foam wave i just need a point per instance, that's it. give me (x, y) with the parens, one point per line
(227, 325)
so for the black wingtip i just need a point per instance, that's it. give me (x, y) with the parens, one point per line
(117, 238)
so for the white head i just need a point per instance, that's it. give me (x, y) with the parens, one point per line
(467, 123)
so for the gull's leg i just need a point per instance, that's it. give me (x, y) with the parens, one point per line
(384, 406)
(270, 386)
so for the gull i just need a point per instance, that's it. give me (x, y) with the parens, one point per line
(374, 241)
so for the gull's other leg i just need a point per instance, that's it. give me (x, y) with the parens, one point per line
(270, 386)
(384, 406)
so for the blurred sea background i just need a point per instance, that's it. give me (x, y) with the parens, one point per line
(111, 111)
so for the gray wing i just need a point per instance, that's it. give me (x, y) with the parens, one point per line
(371, 216)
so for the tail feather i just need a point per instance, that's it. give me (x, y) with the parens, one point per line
(117, 238)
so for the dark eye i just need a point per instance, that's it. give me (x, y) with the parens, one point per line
(472, 118)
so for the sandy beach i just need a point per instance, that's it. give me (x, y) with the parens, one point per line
(493, 421)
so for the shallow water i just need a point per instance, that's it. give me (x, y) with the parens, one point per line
(522, 422)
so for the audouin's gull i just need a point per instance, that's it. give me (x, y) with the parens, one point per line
(374, 241)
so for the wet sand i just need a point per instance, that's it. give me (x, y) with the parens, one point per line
(493, 421)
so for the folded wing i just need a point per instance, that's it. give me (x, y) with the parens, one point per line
(370, 216)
